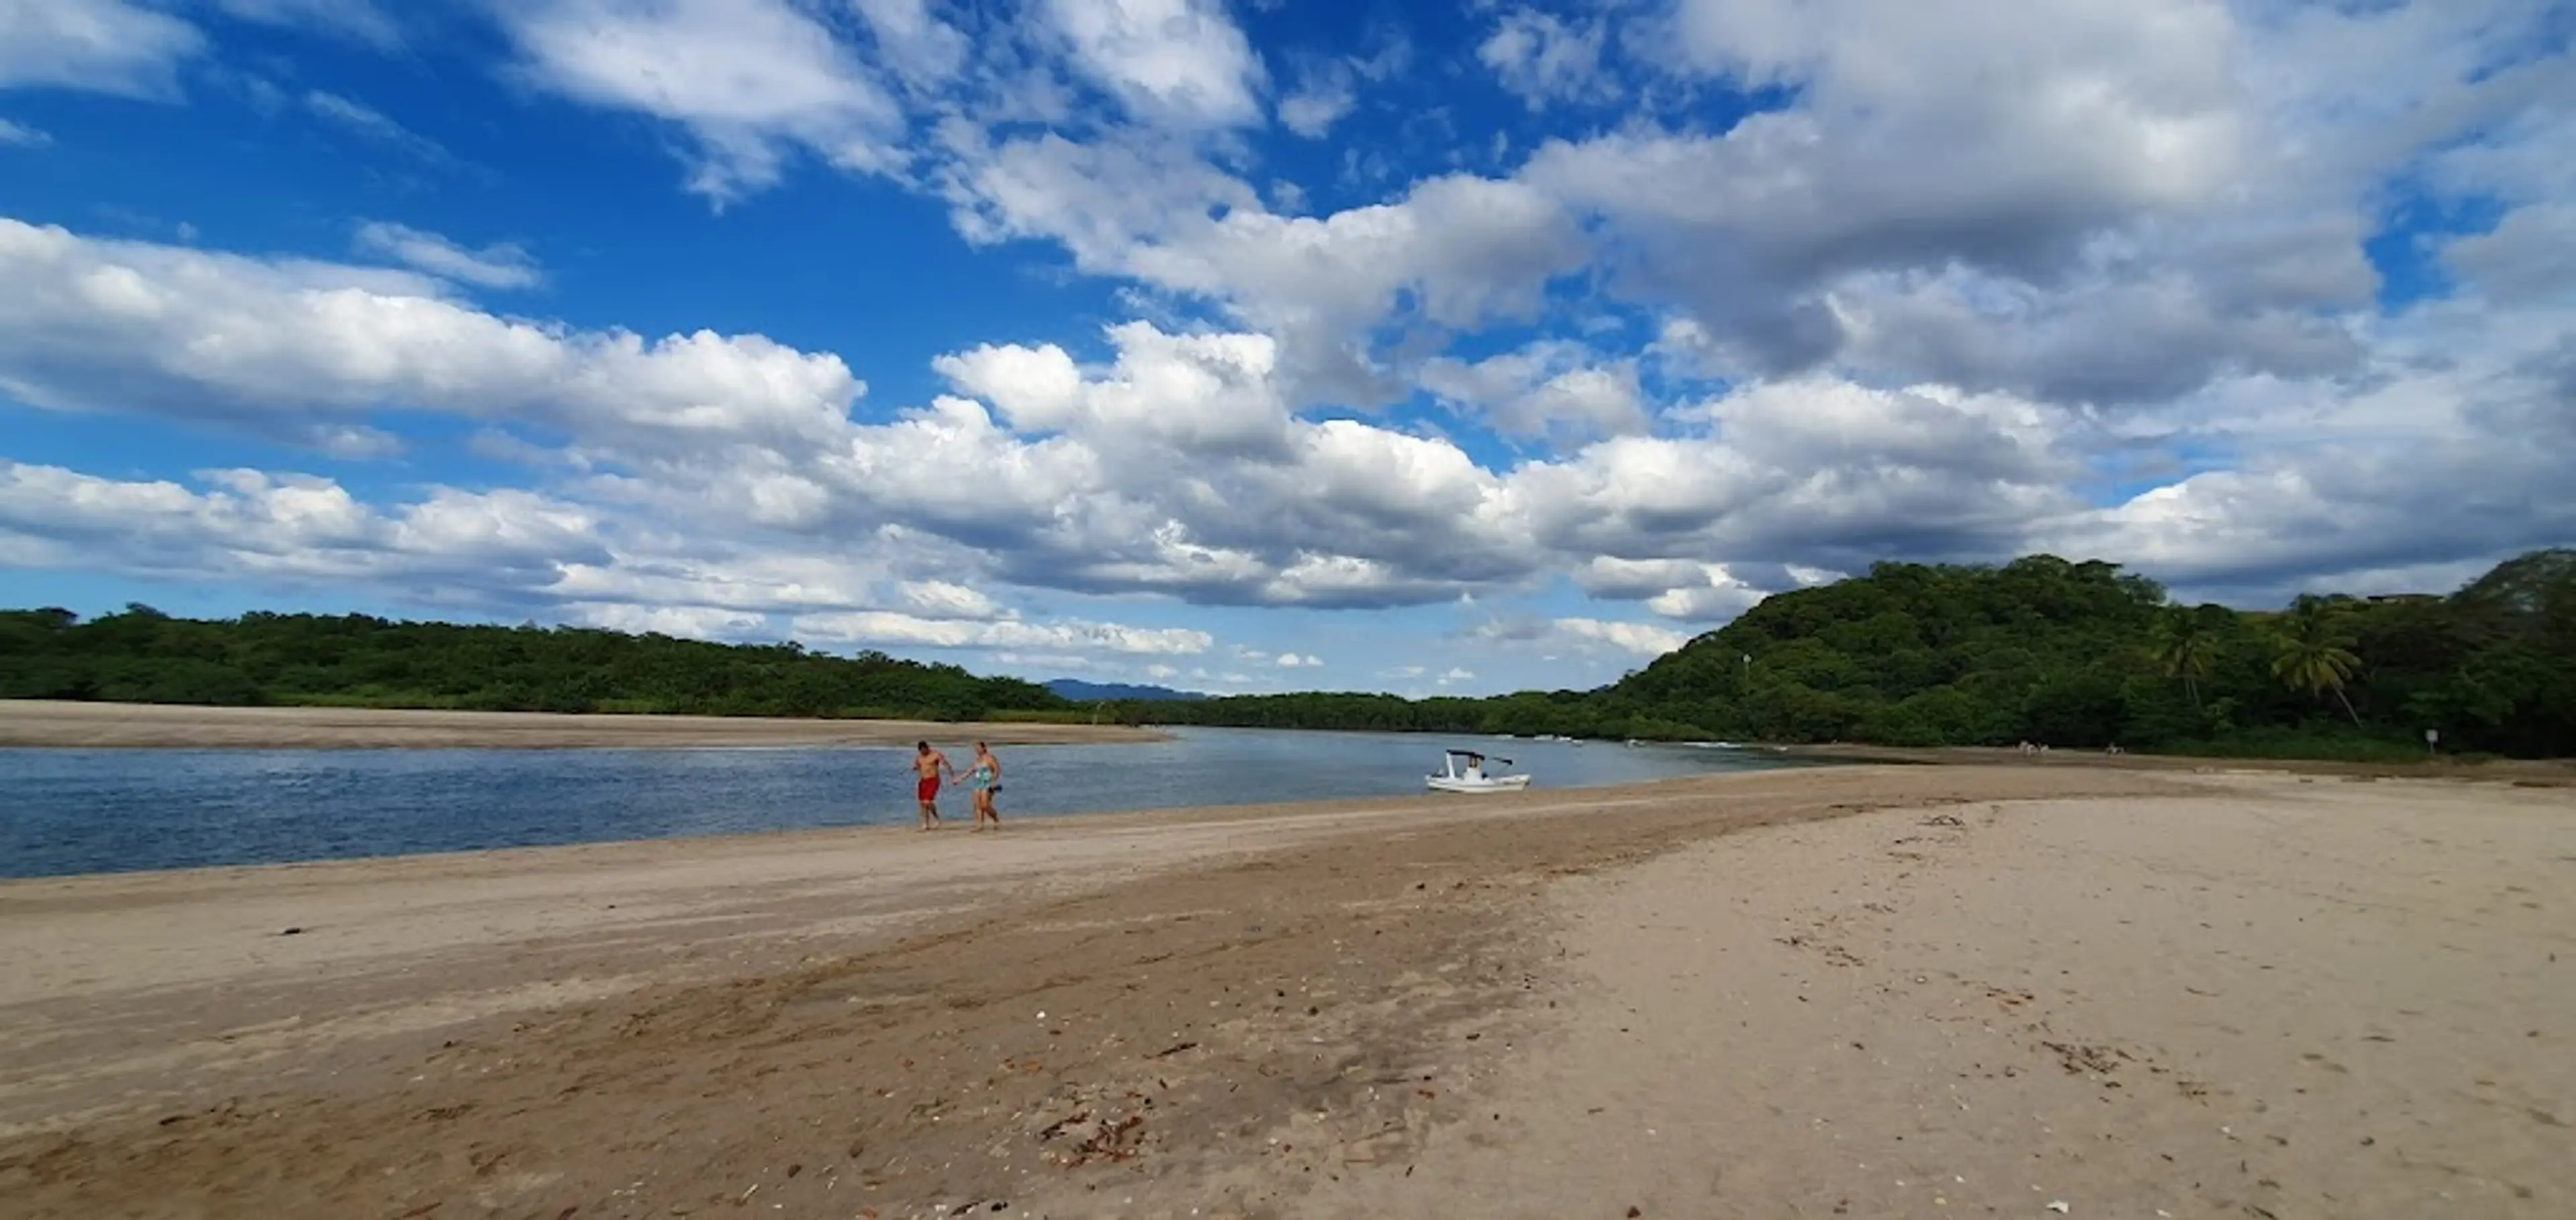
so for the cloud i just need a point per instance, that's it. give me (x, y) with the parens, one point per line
(364, 120)
(1327, 91)
(922, 50)
(1543, 388)
(2438, 455)
(1815, 471)
(685, 622)
(1642, 638)
(1455, 252)
(752, 81)
(98, 46)
(19, 135)
(1197, 393)
(495, 266)
(1174, 469)
(1543, 58)
(363, 20)
(888, 628)
(1194, 459)
(506, 549)
(287, 529)
(2529, 256)
(1579, 634)
(1290, 660)
(942, 599)
(289, 347)
(1180, 63)
(1682, 589)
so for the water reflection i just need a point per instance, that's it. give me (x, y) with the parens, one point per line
(76, 811)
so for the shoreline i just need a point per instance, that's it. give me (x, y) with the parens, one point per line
(2533, 772)
(457, 860)
(1253, 1011)
(2514, 773)
(49, 724)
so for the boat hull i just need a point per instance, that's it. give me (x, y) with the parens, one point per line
(1499, 783)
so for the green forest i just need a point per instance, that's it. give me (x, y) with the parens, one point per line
(2067, 654)
(144, 656)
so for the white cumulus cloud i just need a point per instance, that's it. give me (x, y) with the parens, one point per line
(752, 81)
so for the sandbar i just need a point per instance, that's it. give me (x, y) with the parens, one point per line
(46, 723)
(1862, 990)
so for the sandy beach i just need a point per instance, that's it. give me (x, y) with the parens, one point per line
(1865, 991)
(30, 722)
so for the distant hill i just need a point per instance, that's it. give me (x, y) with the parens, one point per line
(2058, 653)
(1082, 692)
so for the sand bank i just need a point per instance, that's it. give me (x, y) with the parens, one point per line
(2529, 772)
(2285, 998)
(107, 725)
(1566, 1003)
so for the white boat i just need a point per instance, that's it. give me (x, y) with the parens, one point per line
(1464, 771)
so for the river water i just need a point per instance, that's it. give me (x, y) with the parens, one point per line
(85, 811)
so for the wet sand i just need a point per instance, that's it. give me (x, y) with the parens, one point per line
(28, 722)
(1865, 990)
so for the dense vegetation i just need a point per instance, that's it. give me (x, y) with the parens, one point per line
(144, 656)
(2066, 654)
(2040, 649)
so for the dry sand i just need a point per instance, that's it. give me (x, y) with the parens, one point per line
(2528, 772)
(32, 722)
(1865, 991)
(2300, 998)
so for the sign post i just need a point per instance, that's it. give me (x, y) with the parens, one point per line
(2432, 739)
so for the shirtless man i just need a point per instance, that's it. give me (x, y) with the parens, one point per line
(927, 763)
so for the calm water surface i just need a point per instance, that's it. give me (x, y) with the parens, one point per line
(83, 811)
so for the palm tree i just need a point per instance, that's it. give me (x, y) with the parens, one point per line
(2312, 652)
(2185, 647)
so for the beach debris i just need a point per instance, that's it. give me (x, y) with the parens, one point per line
(2078, 1058)
(1088, 1138)
(2057, 1205)
(1633, 1213)
(292, 932)
(1943, 819)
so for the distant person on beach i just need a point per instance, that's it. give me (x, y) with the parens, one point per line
(927, 763)
(984, 781)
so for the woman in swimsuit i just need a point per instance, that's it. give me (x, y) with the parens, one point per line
(984, 781)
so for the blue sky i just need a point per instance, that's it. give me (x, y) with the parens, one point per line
(1267, 346)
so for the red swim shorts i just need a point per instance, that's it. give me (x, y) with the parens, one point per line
(929, 787)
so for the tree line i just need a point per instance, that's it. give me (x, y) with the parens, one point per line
(141, 655)
(2067, 654)
(2041, 649)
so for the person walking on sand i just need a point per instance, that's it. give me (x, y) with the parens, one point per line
(984, 781)
(927, 763)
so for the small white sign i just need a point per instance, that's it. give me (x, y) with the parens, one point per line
(2432, 735)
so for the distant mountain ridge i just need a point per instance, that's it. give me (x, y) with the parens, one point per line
(1080, 691)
